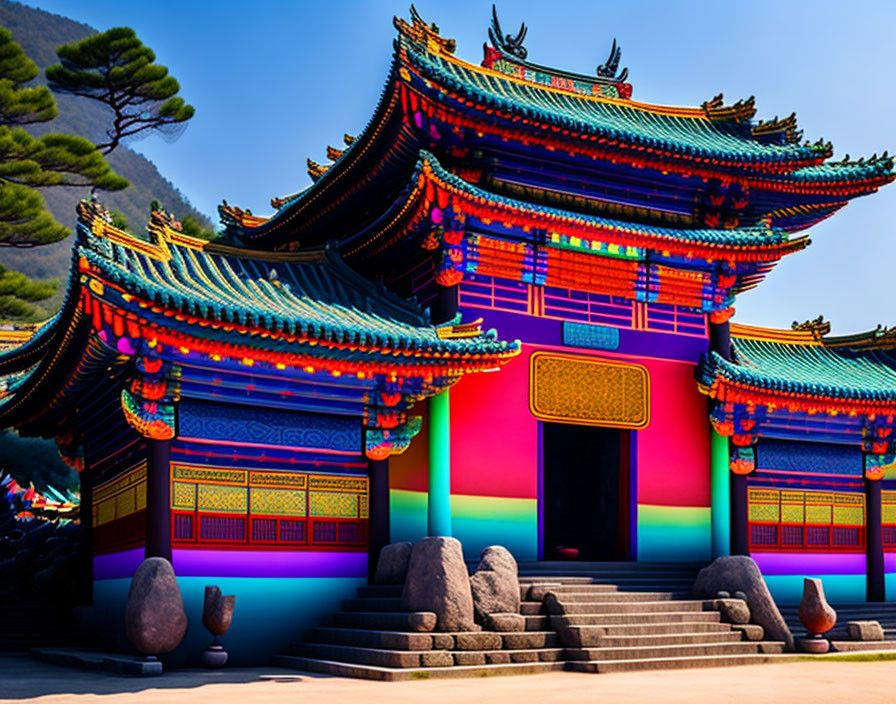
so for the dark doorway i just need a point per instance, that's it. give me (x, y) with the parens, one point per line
(586, 489)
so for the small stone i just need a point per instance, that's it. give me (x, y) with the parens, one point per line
(495, 585)
(750, 631)
(528, 640)
(422, 621)
(438, 581)
(477, 641)
(722, 594)
(815, 613)
(497, 657)
(155, 619)
(392, 566)
(436, 658)
(442, 641)
(733, 610)
(865, 630)
(505, 623)
(523, 656)
(740, 595)
(469, 657)
(497, 558)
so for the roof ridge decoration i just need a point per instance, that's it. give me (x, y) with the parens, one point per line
(426, 35)
(741, 111)
(507, 55)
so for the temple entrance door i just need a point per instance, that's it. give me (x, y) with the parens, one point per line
(586, 491)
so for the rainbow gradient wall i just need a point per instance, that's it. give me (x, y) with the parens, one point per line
(495, 460)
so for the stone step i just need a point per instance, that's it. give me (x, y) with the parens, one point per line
(666, 651)
(529, 640)
(609, 578)
(493, 657)
(386, 590)
(374, 656)
(617, 596)
(372, 603)
(560, 566)
(625, 640)
(538, 623)
(537, 590)
(626, 607)
(649, 629)
(853, 646)
(530, 608)
(673, 663)
(388, 640)
(343, 669)
(638, 618)
(372, 620)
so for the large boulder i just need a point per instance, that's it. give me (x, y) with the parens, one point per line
(155, 619)
(392, 565)
(741, 573)
(496, 588)
(438, 581)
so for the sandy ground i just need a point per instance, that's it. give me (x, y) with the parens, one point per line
(24, 680)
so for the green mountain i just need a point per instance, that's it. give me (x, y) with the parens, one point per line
(39, 33)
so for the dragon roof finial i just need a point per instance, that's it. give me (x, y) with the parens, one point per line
(507, 42)
(608, 69)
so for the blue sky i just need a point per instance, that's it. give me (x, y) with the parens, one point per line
(274, 82)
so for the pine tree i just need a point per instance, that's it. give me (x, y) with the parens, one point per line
(116, 69)
(28, 162)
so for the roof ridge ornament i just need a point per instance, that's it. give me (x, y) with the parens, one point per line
(608, 70)
(424, 34)
(716, 110)
(507, 42)
(819, 327)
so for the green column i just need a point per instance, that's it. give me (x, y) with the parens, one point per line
(720, 496)
(439, 506)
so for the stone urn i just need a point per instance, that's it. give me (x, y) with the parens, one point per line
(217, 613)
(816, 615)
(155, 620)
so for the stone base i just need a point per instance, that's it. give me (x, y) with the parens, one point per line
(816, 646)
(214, 656)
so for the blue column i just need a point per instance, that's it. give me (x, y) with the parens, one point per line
(720, 495)
(439, 504)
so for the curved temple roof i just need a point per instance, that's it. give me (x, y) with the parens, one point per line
(674, 151)
(782, 366)
(234, 303)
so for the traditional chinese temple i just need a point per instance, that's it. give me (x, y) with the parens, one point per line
(269, 409)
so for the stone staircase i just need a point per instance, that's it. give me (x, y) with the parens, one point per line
(607, 630)
(609, 620)
(372, 638)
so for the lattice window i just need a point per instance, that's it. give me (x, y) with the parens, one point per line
(264, 529)
(888, 519)
(325, 532)
(762, 534)
(222, 528)
(244, 507)
(292, 531)
(351, 533)
(183, 526)
(806, 520)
